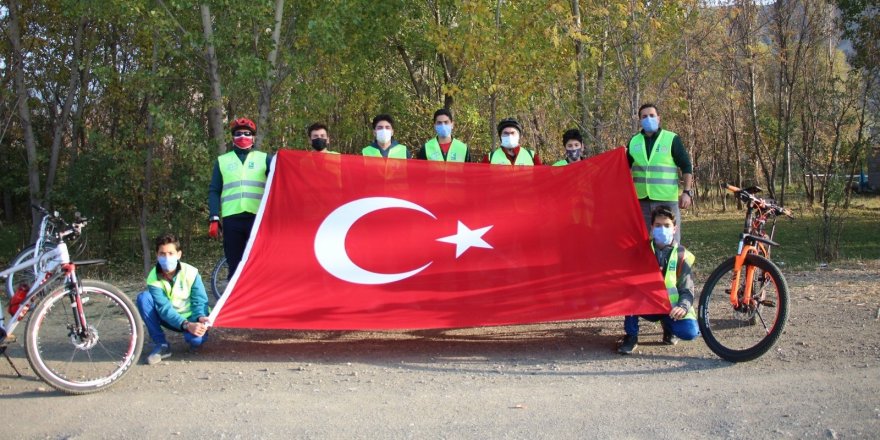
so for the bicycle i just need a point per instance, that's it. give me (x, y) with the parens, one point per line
(80, 337)
(219, 280)
(744, 303)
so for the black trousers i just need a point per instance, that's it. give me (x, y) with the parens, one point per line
(236, 231)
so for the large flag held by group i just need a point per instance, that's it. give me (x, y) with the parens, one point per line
(347, 242)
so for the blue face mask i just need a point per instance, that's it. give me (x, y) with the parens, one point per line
(443, 130)
(650, 124)
(663, 236)
(168, 263)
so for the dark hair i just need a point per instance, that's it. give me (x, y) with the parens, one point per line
(314, 127)
(383, 117)
(167, 238)
(443, 111)
(573, 134)
(647, 105)
(662, 211)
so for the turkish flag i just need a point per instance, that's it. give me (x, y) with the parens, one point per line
(356, 243)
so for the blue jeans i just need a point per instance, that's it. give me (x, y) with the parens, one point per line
(147, 308)
(686, 329)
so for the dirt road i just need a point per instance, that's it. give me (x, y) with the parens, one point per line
(558, 381)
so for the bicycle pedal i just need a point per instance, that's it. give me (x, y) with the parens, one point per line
(767, 303)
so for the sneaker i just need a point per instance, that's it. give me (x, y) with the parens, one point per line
(628, 345)
(668, 337)
(161, 351)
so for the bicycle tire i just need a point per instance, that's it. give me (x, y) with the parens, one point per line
(24, 276)
(219, 279)
(76, 366)
(739, 336)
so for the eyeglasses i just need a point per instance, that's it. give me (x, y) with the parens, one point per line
(242, 133)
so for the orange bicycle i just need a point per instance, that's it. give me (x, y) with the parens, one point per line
(744, 303)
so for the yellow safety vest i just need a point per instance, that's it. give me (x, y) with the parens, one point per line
(243, 183)
(457, 151)
(396, 152)
(560, 163)
(178, 293)
(655, 179)
(671, 277)
(524, 157)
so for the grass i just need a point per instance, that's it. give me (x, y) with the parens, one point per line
(711, 236)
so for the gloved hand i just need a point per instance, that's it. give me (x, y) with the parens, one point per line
(214, 230)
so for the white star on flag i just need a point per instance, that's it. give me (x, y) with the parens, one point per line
(467, 238)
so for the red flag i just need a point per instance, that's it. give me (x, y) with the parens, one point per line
(349, 242)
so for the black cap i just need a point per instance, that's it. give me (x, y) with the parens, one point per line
(509, 122)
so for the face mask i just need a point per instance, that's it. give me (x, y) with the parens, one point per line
(168, 263)
(510, 140)
(443, 130)
(663, 236)
(243, 142)
(383, 136)
(319, 144)
(650, 124)
(573, 155)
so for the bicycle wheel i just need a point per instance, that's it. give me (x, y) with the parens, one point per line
(75, 365)
(24, 276)
(219, 280)
(744, 335)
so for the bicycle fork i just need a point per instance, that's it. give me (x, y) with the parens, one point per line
(80, 334)
(746, 303)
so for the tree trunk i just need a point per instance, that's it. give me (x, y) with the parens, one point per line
(61, 122)
(144, 217)
(265, 103)
(583, 105)
(215, 109)
(24, 115)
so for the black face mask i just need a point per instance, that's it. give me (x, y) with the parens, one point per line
(319, 144)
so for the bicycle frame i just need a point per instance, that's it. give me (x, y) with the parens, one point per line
(750, 243)
(50, 261)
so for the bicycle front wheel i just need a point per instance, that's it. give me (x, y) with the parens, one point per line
(77, 364)
(745, 334)
(219, 280)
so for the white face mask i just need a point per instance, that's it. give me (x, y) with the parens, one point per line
(510, 140)
(383, 136)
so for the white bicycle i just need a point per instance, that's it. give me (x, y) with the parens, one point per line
(82, 336)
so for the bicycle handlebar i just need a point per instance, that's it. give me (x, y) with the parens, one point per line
(55, 217)
(758, 202)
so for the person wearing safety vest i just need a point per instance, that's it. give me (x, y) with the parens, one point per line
(574, 147)
(444, 147)
(236, 190)
(384, 144)
(676, 265)
(511, 153)
(175, 299)
(655, 157)
(319, 139)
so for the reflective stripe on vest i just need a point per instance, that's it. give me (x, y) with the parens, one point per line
(657, 178)
(329, 152)
(457, 151)
(178, 293)
(671, 277)
(560, 163)
(524, 157)
(243, 183)
(396, 152)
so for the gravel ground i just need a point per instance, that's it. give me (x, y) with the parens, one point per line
(559, 381)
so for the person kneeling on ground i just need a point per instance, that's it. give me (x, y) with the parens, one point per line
(676, 264)
(175, 299)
